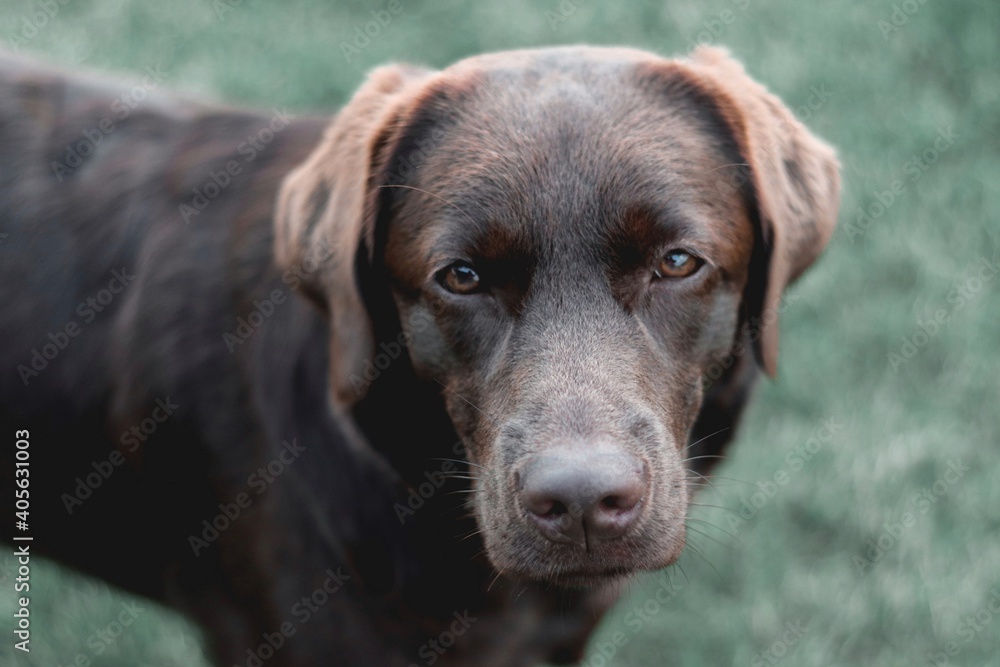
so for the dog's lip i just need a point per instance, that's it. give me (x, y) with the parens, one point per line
(580, 577)
(589, 578)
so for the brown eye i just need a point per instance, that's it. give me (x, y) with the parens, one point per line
(460, 278)
(678, 264)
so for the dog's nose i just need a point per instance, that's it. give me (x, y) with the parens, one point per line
(582, 497)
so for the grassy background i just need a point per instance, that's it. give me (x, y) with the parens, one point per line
(794, 559)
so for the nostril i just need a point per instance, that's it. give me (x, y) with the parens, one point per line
(614, 514)
(621, 502)
(613, 503)
(548, 509)
(557, 509)
(543, 504)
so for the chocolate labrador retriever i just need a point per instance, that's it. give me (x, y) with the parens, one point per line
(414, 386)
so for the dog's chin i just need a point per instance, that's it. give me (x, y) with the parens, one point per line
(589, 580)
(520, 553)
(569, 578)
(578, 572)
(575, 577)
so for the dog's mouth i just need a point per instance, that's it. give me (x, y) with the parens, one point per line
(584, 570)
(590, 578)
(522, 553)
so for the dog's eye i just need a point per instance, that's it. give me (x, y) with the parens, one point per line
(460, 278)
(678, 264)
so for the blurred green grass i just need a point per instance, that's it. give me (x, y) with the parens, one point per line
(794, 558)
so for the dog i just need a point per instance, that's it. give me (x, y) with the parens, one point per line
(421, 383)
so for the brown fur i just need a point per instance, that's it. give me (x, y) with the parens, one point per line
(563, 175)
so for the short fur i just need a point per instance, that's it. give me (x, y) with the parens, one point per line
(563, 174)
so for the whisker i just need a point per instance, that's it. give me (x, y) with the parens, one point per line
(642, 584)
(470, 534)
(670, 578)
(490, 587)
(705, 483)
(681, 568)
(718, 528)
(704, 534)
(466, 506)
(717, 486)
(705, 438)
(733, 479)
(715, 477)
(727, 510)
(470, 463)
(706, 456)
(431, 194)
(476, 407)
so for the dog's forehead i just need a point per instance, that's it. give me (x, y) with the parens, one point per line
(549, 87)
(540, 144)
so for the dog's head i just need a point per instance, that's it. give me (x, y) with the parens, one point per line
(567, 238)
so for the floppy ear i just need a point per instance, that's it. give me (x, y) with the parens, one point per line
(327, 211)
(794, 179)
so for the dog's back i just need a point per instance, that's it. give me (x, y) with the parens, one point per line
(136, 228)
(99, 183)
